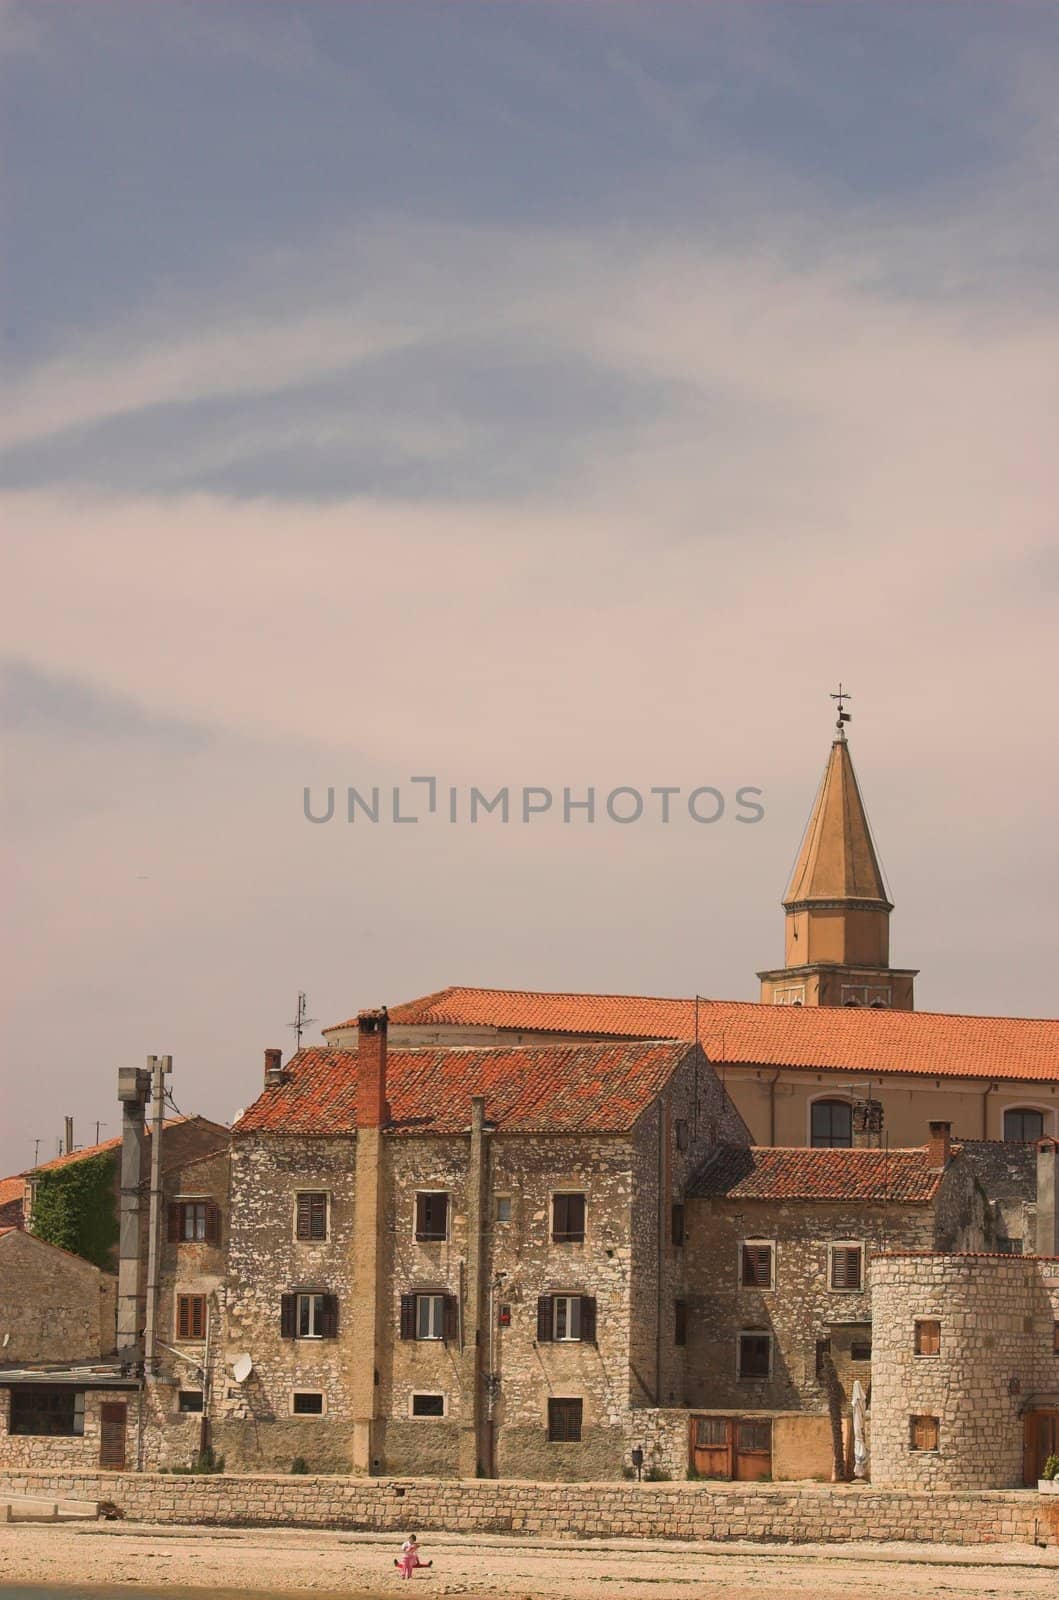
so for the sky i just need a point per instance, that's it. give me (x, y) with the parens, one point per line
(526, 395)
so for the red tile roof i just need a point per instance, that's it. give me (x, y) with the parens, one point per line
(760, 1172)
(85, 1152)
(825, 1038)
(560, 1088)
(11, 1189)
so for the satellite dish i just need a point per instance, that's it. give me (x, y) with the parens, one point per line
(242, 1367)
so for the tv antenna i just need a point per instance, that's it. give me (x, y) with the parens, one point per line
(301, 1021)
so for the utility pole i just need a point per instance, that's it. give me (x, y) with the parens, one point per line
(36, 1151)
(158, 1066)
(69, 1135)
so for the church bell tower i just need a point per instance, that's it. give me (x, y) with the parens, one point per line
(837, 906)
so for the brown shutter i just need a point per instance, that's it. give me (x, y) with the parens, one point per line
(318, 1216)
(588, 1318)
(174, 1211)
(846, 1267)
(329, 1319)
(112, 1421)
(304, 1213)
(449, 1319)
(198, 1316)
(421, 1215)
(288, 1314)
(408, 1316)
(183, 1317)
(544, 1319)
(213, 1223)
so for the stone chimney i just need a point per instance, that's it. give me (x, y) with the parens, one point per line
(1047, 1199)
(372, 1109)
(273, 1068)
(939, 1146)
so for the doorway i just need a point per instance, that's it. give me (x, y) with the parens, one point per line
(737, 1448)
(1040, 1440)
(112, 1419)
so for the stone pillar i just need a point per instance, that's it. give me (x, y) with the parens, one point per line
(368, 1216)
(1047, 1209)
(473, 1446)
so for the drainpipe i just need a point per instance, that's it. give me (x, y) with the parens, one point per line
(772, 1106)
(159, 1066)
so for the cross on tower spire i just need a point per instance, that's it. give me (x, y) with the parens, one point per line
(843, 716)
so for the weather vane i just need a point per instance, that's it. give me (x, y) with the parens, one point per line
(843, 716)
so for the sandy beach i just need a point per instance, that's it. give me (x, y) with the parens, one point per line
(289, 1562)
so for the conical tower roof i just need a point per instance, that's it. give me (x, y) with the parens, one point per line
(837, 860)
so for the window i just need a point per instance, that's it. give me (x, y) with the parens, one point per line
(566, 1318)
(310, 1216)
(564, 1421)
(677, 1225)
(1023, 1126)
(429, 1316)
(711, 1433)
(922, 1433)
(432, 1215)
(191, 1316)
(47, 1411)
(194, 1222)
(860, 1350)
(754, 1355)
(1009, 1247)
(1055, 1337)
(846, 1267)
(680, 1129)
(680, 1322)
(753, 1438)
(830, 1125)
(189, 1400)
(503, 1208)
(823, 1356)
(928, 1337)
(307, 1403)
(568, 1218)
(309, 1314)
(428, 1405)
(756, 1258)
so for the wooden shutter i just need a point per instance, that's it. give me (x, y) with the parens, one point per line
(928, 1338)
(588, 1318)
(303, 1217)
(408, 1316)
(213, 1223)
(757, 1266)
(112, 1420)
(544, 1319)
(421, 1215)
(174, 1218)
(183, 1317)
(846, 1267)
(329, 1317)
(450, 1319)
(288, 1316)
(924, 1433)
(318, 1216)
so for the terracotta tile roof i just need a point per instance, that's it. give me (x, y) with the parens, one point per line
(560, 1088)
(11, 1189)
(825, 1038)
(760, 1172)
(84, 1152)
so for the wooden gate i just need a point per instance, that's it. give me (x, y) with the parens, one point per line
(1040, 1439)
(732, 1447)
(112, 1418)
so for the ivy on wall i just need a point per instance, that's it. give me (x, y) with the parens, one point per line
(74, 1207)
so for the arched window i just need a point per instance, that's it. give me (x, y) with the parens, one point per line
(851, 1002)
(1022, 1125)
(830, 1125)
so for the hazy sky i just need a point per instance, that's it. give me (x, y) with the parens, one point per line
(519, 394)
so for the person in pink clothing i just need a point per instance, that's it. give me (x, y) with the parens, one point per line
(408, 1560)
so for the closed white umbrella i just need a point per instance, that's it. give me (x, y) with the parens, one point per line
(860, 1448)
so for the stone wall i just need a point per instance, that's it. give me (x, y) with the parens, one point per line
(681, 1511)
(53, 1305)
(997, 1351)
(66, 1451)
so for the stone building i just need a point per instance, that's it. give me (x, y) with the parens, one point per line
(462, 1261)
(54, 1307)
(966, 1359)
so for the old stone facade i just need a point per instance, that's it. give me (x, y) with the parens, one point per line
(53, 1305)
(527, 1279)
(965, 1360)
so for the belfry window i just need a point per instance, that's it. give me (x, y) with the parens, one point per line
(831, 1125)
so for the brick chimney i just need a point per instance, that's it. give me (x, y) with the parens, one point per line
(372, 1109)
(273, 1068)
(939, 1146)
